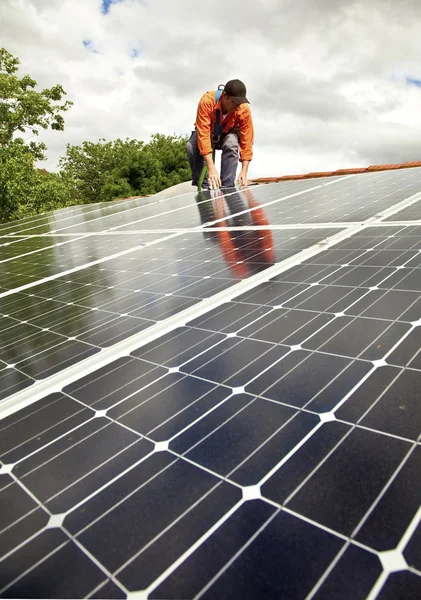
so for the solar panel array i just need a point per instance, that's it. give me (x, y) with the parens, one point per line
(215, 395)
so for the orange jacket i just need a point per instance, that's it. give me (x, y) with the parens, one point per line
(205, 121)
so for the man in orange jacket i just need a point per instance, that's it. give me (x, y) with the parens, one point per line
(225, 124)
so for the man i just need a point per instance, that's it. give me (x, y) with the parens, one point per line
(234, 135)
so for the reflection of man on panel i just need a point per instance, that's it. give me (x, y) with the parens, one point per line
(225, 124)
(245, 251)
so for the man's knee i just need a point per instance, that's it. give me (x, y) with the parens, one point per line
(230, 143)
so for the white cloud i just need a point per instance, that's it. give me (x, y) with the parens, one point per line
(327, 80)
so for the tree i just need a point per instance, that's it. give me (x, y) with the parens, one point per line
(104, 170)
(90, 165)
(22, 108)
(23, 189)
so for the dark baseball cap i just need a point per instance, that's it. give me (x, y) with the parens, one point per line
(236, 90)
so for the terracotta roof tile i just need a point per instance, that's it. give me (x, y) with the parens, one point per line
(415, 163)
(370, 169)
(351, 171)
(383, 167)
(319, 174)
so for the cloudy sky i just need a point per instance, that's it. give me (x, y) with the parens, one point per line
(332, 83)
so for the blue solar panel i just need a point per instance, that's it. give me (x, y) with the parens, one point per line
(214, 396)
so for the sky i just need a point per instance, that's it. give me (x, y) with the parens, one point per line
(331, 83)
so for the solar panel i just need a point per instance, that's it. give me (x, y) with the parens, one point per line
(215, 395)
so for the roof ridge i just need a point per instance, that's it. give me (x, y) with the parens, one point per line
(370, 169)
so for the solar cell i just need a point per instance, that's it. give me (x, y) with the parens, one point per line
(214, 397)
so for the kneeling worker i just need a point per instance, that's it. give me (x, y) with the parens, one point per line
(224, 123)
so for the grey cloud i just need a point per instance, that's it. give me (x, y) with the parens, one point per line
(319, 74)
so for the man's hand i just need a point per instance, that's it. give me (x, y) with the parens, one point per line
(214, 180)
(242, 178)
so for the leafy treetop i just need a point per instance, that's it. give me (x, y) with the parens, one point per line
(23, 108)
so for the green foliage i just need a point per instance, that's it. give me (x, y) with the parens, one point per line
(91, 172)
(24, 190)
(23, 109)
(89, 166)
(122, 168)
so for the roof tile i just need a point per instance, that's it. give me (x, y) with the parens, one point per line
(383, 167)
(415, 163)
(319, 174)
(370, 169)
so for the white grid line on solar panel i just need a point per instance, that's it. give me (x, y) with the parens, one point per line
(287, 373)
(75, 208)
(375, 591)
(408, 533)
(214, 579)
(412, 213)
(332, 241)
(360, 209)
(411, 447)
(93, 250)
(84, 266)
(100, 246)
(335, 316)
(328, 571)
(406, 202)
(262, 197)
(357, 180)
(250, 541)
(82, 211)
(361, 179)
(193, 548)
(208, 304)
(100, 489)
(401, 546)
(109, 316)
(251, 399)
(44, 218)
(184, 288)
(30, 252)
(151, 204)
(279, 243)
(271, 226)
(279, 184)
(107, 233)
(42, 349)
(130, 468)
(248, 382)
(289, 299)
(99, 242)
(182, 208)
(338, 405)
(107, 573)
(388, 212)
(261, 481)
(195, 464)
(255, 536)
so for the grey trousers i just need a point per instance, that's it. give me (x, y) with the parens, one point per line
(229, 161)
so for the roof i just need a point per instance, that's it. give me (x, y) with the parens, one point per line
(352, 171)
(215, 395)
